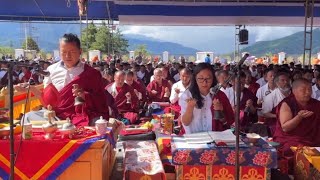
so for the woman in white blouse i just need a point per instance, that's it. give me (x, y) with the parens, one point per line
(198, 105)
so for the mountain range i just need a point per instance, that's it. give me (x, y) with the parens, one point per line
(47, 35)
(292, 44)
(156, 46)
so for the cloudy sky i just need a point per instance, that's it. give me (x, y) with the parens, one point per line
(218, 39)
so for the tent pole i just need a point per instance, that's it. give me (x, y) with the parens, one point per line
(87, 43)
(80, 24)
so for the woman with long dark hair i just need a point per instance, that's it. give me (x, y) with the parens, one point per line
(198, 104)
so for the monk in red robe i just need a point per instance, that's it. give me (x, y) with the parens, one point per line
(125, 98)
(139, 90)
(25, 74)
(298, 119)
(251, 83)
(139, 81)
(159, 89)
(60, 90)
(113, 110)
(248, 114)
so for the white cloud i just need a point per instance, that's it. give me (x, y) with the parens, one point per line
(270, 33)
(218, 39)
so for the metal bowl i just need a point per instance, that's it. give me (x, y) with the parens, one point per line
(253, 138)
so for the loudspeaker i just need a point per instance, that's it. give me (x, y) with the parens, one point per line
(243, 36)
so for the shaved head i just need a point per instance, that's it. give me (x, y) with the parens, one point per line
(119, 78)
(302, 90)
(119, 73)
(157, 70)
(185, 76)
(300, 82)
(185, 70)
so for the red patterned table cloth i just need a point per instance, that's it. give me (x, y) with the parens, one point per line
(189, 172)
(46, 159)
(183, 153)
(142, 161)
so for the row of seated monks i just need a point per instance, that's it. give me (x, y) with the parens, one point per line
(284, 102)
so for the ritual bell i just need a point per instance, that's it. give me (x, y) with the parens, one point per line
(78, 101)
(218, 115)
(247, 110)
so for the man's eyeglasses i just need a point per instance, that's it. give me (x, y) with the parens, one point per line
(202, 80)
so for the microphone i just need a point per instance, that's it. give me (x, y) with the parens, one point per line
(243, 59)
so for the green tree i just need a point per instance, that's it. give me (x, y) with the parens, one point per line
(92, 30)
(32, 45)
(103, 39)
(191, 59)
(143, 49)
(125, 58)
(269, 54)
(6, 50)
(120, 44)
(43, 54)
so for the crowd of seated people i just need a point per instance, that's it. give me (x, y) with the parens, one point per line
(24, 71)
(277, 101)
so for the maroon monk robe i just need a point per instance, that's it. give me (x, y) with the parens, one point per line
(159, 97)
(227, 111)
(141, 83)
(106, 82)
(128, 110)
(90, 81)
(253, 87)
(306, 133)
(247, 119)
(112, 105)
(140, 89)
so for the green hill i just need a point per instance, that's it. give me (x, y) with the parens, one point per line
(292, 45)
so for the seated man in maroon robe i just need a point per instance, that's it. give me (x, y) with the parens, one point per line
(113, 110)
(248, 114)
(298, 119)
(125, 98)
(250, 83)
(159, 89)
(69, 78)
(138, 89)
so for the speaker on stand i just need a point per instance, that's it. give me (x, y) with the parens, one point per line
(243, 36)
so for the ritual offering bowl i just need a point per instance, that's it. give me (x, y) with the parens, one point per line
(49, 129)
(68, 129)
(253, 138)
(101, 126)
